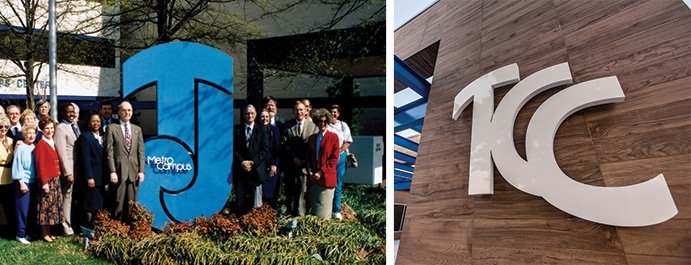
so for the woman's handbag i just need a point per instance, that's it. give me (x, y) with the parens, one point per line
(351, 160)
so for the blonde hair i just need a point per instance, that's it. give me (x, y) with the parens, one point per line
(25, 114)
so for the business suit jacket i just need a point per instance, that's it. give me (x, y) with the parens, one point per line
(91, 154)
(64, 143)
(329, 151)
(126, 163)
(294, 143)
(280, 122)
(257, 151)
(104, 124)
(16, 136)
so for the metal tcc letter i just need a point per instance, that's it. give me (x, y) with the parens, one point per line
(641, 204)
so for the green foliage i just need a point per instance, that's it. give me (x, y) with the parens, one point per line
(370, 204)
(255, 239)
(113, 248)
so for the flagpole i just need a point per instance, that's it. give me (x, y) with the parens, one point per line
(52, 61)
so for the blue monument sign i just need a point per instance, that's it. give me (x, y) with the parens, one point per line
(189, 161)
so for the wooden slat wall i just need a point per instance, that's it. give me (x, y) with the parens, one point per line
(646, 44)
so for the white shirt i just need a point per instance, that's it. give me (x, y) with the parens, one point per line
(251, 126)
(122, 126)
(343, 131)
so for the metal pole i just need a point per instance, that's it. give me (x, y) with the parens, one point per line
(52, 61)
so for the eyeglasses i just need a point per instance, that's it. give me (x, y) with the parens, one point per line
(4, 126)
(322, 121)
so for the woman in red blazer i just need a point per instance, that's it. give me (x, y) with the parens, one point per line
(48, 171)
(322, 161)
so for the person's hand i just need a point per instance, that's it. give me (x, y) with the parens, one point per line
(114, 178)
(22, 187)
(91, 183)
(272, 171)
(247, 165)
(46, 188)
(316, 176)
(140, 178)
(70, 179)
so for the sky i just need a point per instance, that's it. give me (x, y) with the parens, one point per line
(404, 10)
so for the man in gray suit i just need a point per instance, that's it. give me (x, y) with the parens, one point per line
(66, 134)
(125, 156)
(294, 142)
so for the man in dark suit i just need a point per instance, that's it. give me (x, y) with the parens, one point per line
(251, 147)
(125, 157)
(294, 142)
(15, 130)
(106, 113)
(271, 105)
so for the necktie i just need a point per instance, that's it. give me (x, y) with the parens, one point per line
(14, 131)
(75, 129)
(300, 128)
(319, 143)
(128, 137)
(247, 136)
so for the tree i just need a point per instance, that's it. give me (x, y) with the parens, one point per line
(224, 24)
(24, 36)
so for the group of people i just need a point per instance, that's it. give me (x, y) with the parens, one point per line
(56, 173)
(310, 150)
(61, 173)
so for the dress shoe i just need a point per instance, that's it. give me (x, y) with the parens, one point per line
(47, 239)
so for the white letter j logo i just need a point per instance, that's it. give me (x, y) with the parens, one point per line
(641, 204)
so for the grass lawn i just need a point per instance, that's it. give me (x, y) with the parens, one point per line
(337, 242)
(65, 250)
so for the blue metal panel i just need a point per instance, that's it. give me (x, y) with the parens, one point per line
(188, 166)
(403, 167)
(410, 125)
(403, 174)
(407, 76)
(405, 143)
(411, 114)
(402, 185)
(403, 157)
(410, 105)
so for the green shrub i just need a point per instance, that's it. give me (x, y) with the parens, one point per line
(116, 249)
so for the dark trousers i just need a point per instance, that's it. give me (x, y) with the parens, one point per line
(8, 219)
(24, 203)
(296, 188)
(123, 193)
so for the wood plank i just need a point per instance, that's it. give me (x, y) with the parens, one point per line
(548, 234)
(670, 239)
(524, 254)
(665, 142)
(428, 242)
(657, 260)
(675, 168)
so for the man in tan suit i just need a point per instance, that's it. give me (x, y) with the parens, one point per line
(66, 134)
(125, 155)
